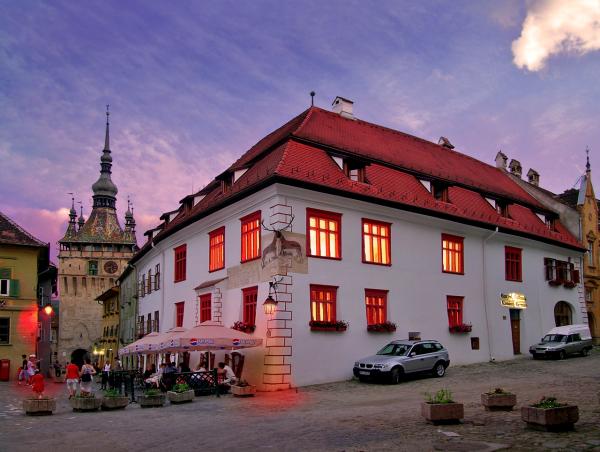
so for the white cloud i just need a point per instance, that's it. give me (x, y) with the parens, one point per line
(557, 26)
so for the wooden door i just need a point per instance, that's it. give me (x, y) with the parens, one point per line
(515, 326)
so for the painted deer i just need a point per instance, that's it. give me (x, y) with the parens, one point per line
(280, 246)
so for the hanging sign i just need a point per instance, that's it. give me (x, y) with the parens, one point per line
(513, 300)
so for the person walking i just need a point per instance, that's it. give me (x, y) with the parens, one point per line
(72, 378)
(30, 368)
(86, 373)
(23, 370)
(105, 372)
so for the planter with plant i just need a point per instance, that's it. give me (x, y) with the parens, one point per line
(85, 402)
(39, 407)
(498, 400)
(180, 393)
(113, 400)
(550, 415)
(151, 398)
(317, 325)
(243, 389)
(384, 327)
(243, 327)
(440, 408)
(462, 328)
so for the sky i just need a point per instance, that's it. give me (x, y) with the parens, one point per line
(193, 84)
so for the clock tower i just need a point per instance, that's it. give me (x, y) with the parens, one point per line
(93, 253)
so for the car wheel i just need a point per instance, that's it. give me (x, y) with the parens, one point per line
(396, 375)
(439, 370)
(562, 355)
(585, 352)
(535, 356)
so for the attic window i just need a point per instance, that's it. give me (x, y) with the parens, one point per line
(502, 208)
(355, 171)
(226, 182)
(551, 222)
(440, 191)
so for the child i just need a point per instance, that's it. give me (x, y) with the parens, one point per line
(37, 382)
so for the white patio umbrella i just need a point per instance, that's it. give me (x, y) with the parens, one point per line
(146, 344)
(209, 336)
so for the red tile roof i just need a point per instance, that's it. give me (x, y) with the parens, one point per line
(13, 234)
(298, 153)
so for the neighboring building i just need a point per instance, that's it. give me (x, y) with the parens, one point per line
(106, 352)
(362, 224)
(22, 259)
(92, 255)
(128, 312)
(48, 317)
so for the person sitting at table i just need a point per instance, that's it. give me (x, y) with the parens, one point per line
(225, 377)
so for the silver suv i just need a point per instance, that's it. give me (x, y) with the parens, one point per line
(399, 358)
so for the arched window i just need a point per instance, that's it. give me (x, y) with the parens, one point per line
(563, 314)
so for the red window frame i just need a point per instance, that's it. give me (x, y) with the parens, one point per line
(453, 254)
(179, 313)
(323, 301)
(250, 235)
(376, 242)
(513, 264)
(205, 307)
(249, 299)
(216, 249)
(455, 310)
(180, 263)
(376, 305)
(322, 231)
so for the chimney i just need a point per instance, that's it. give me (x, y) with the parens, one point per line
(515, 167)
(501, 160)
(343, 107)
(443, 141)
(533, 177)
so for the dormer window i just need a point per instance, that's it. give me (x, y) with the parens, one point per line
(502, 208)
(551, 222)
(226, 182)
(440, 191)
(355, 171)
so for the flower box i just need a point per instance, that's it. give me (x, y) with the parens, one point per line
(555, 282)
(243, 391)
(85, 403)
(498, 402)
(463, 328)
(385, 327)
(328, 326)
(551, 419)
(443, 413)
(180, 397)
(148, 401)
(115, 403)
(39, 407)
(243, 327)
(569, 284)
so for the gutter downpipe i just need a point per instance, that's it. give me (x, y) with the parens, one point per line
(485, 297)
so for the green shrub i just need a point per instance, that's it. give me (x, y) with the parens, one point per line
(442, 396)
(181, 387)
(112, 393)
(499, 391)
(152, 392)
(548, 402)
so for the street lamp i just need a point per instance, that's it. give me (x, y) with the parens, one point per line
(48, 309)
(270, 304)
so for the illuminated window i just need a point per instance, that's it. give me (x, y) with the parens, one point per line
(513, 263)
(179, 311)
(205, 307)
(376, 242)
(216, 249)
(322, 303)
(376, 303)
(455, 311)
(452, 254)
(180, 262)
(249, 297)
(250, 237)
(324, 234)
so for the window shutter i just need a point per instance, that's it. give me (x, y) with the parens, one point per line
(576, 276)
(14, 288)
(5, 273)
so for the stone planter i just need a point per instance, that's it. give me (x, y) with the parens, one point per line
(85, 403)
(149, 401)
(180, 397)
(443, 413)
(550, 419)
(115, 403)
(243, 391)
(498, 402)
(39, 407)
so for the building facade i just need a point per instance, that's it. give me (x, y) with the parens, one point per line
(92, 255)
(361, 234)
(22, 259)
(128, 312)
(107, 351)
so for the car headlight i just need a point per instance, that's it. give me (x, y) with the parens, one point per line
(380, 366)
(356, 364)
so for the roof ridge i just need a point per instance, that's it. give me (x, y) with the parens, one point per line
(20, 229)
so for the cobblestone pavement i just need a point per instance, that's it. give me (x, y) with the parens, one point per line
(343, 416)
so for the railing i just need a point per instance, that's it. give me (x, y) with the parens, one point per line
(202, 383)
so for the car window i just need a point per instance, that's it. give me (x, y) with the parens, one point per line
(427, 348)
(576, 337)
(394, 350)
(437, 346)
(416, 350)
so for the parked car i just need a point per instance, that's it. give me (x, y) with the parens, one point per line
(562, 341)
(399, 358)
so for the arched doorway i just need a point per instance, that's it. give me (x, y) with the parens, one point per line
(78, 356)
(563, 314)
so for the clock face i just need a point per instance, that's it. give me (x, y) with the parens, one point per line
(110, 267)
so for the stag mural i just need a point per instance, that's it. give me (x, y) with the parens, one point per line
(280, 246)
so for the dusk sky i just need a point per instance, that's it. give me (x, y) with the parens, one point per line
(192, 85)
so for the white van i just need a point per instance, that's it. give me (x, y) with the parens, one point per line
(562, 341)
